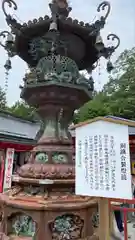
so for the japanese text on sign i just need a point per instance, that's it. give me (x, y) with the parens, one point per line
(123, 161)
(8, 168)
(103, 162)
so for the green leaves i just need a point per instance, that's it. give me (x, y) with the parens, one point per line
(22, 110)
(3, 101)
(97, 107)
(118, 95)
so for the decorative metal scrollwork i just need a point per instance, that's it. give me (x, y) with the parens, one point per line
(102, 6)
(10, 3)
(4, 34)
(114, 37)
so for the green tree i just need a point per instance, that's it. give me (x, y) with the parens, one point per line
(118, 95)
(22, 110)
(94, 108)
(121, 88)
(3, 101)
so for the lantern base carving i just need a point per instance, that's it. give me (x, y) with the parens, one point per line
(53, 216)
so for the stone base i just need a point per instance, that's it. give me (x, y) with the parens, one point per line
(49, 216)
(93, 237)
(13, 237)
(4, 237)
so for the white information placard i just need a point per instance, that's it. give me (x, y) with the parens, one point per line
(103, 160)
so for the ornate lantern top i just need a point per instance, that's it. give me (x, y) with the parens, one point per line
(69, 37)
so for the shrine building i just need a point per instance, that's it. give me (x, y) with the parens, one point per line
(18, 134)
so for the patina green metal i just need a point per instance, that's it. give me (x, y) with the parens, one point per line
(59, 69)
(31, 190)
(59, 157)
(41, 157)
(64, 227)
(41, 46)
(23, 225)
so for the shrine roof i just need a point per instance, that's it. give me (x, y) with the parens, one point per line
(121, 119)
(10, 115)
(111, 119)
(16, 127)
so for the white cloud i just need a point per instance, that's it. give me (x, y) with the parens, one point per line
(120, 22)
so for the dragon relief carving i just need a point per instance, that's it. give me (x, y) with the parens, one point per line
(67, 227)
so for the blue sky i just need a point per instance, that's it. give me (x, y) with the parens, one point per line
(120, 21)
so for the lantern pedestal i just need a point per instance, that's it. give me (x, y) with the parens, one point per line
(42, 203)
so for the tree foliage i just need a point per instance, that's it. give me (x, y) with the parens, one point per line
(3, 101)
(118, 95)
(22, 110)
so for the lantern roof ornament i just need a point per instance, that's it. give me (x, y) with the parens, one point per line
(54, 28)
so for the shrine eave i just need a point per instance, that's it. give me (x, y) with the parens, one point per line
(15, 130)
(16, 140)
(110, 119)
(12, 116)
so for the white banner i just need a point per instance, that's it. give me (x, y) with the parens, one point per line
(8, 168)
(103, 160)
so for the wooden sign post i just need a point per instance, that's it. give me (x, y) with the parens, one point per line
(104, 219)
(103, 165)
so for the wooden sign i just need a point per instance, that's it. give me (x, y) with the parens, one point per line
(103, 160)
